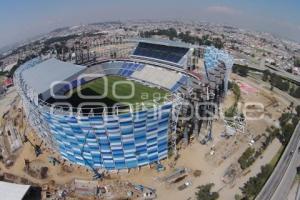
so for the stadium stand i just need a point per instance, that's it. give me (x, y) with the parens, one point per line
(158, 76)
(138, 71)
(128, 68)
(107, 138)
(161, 52)
(143, 73)
(183, 81)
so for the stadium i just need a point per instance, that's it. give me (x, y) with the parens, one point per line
(124, 113)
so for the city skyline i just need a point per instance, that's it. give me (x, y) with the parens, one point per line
(22, 20)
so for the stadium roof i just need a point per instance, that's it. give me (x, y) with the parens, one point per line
(11, 191)
(164, 42)
(41, 76)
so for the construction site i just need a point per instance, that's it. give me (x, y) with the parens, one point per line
(190, 151)
(25, 159)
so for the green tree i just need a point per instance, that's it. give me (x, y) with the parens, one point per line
(247, 158)
(236, 91)
(253, 186)
(277, 81)
(295, 120)
(284, 118)
(287, 132)
(266, 75)
(238, 197)
(243, 72)
(296, 93)
(232, 110)
(297, 62)
(298, 110)
(204, 192)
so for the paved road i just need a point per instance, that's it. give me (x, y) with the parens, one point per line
(279, 72)
(261, 66)
(297, 195)
(280, 182)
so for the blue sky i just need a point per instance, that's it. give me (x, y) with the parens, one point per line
(26, 18)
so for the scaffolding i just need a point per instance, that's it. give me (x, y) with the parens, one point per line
(237, 124)
(176, 110)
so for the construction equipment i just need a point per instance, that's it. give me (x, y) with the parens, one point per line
(53, 160)
(37, 148)
(184, 186)
(160, 167)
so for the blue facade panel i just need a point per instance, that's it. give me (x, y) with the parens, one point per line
(113, 142)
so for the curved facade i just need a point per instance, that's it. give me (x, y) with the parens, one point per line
(112, 142)
(121, 141)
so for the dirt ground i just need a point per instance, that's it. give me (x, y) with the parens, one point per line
(227, 152)
(196, 156)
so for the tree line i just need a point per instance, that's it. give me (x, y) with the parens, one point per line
(281, 83)
(172, 34)
(288, 122)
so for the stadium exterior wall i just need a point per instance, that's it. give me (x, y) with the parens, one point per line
(114, 141)
(111, 142)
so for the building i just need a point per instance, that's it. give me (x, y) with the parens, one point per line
(123, 137)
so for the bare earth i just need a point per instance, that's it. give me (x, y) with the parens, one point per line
(195, 157)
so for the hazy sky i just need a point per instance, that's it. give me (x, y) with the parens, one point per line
(26, 18)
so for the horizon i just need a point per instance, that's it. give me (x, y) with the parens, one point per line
(32, 19)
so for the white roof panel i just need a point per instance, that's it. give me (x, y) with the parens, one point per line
(41, 76)
(11, 191)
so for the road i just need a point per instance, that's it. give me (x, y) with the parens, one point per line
(279, 72)
(262, 66)
(281, 180)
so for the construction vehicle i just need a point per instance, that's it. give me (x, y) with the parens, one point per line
(184, 186)
(160, 167)
(37, 148)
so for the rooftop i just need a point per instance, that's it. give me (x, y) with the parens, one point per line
(41, 76)
(11, 191)
(164, 42)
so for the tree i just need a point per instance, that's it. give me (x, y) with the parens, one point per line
(298, 110)
(243, 72)
(232, 110)
(266, 75)
(297, 62)
(295, 121)
(296, 93)
(247, 158)
(253, 186)
(287, 132)
(235, 69)
(284, 118)
(277, 81)
(292, 90)
(238, 197)
(204, 192)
